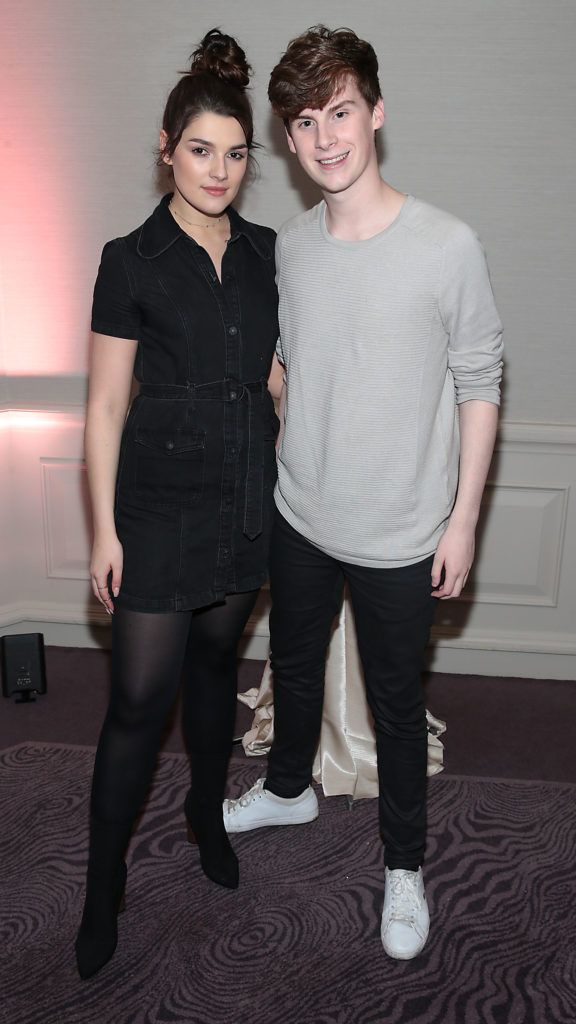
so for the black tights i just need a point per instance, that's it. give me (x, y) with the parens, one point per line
(150, 653)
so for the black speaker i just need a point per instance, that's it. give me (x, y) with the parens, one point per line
(23, 667)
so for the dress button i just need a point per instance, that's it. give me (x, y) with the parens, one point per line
(232, 330)
(169, 445)
(233, 396)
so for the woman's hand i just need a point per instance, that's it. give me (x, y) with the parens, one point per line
(107, 557)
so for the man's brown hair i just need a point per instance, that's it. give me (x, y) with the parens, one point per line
(316, 65)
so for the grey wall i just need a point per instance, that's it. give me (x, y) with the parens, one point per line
(479, 97)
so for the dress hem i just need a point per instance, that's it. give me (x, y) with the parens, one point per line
(188, 602)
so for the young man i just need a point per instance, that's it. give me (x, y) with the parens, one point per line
(392, 351)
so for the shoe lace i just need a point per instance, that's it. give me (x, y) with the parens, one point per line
(405, 902)
(246, 799)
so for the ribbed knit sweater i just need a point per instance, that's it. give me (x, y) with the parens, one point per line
(381, 340)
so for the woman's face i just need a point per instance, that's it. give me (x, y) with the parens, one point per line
(209, 162)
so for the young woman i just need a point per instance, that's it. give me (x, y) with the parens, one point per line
(182, 489)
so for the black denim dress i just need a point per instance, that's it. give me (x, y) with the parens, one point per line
(197, 463)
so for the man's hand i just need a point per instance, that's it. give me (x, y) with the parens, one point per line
(454, 555)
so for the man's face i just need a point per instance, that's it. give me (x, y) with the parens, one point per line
(335, 145)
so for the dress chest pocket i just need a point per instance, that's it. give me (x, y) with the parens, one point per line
(169, 466)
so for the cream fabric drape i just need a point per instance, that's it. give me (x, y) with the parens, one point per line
(346, 758)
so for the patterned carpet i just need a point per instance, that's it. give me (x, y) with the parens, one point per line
(298, 943)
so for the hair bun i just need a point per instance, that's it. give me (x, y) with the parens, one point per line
(220, 55)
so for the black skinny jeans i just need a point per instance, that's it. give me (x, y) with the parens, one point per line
(393, 610)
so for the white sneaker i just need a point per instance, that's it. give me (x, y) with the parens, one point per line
(405, 918)
(258, 808)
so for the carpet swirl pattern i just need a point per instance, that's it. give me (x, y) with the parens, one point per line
(299, 942)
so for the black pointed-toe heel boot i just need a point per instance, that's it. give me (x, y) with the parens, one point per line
(203, 810)
(105, 883)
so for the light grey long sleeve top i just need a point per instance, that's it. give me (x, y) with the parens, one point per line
(381, 340)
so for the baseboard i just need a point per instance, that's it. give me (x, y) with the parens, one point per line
(503, 656)
(529, 655)
(62, 625)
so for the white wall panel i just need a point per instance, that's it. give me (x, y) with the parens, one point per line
(518, 613)
(65, 506)
(479, 101)
(8, 537)
(518, 619)
(47, 550)
(522, 530)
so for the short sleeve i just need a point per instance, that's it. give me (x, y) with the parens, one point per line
(471, 320)
(114, 309)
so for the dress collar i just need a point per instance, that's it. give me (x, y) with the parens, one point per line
(160, 231)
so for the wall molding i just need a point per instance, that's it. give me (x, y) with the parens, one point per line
(519, 622)
(501, 640)
(530, 655)
(62, 393)
(547, 538)
(53, 612)
(534, 437)
(58, 392)
(64, 501)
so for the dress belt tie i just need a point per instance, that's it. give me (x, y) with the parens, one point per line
(228, 391)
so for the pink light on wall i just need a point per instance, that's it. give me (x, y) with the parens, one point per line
(42, 302)
(25, 419)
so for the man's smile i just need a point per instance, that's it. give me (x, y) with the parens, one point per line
(333, 161)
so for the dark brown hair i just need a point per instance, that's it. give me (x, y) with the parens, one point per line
(316, 64)
(216, 83)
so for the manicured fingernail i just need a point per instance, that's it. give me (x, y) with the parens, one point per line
(116, 591)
